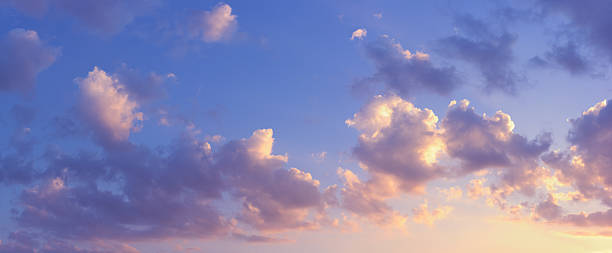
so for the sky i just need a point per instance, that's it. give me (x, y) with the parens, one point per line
(305, 126)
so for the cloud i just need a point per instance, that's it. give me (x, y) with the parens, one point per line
(107, 108)
(402, 148)
(106, 17)
(368, 199)
(489, 52)
(404, 72)
(590, 18)
(359, 34)
(399, 140)
(586, 165)
(26, 242)
(567, 57)
(481, 142)
(135, 193)
(215, 25)
(141, 87)
(22, 56)
(31, 7)
(274, 198)
(21, 140)
(423, 216)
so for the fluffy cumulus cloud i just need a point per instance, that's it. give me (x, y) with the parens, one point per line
(135, 193)
(110, 103)
(106, 17)
(398, 139)
(403, 147)
(586, 165)
(359, 34)
(274, 198)
(480, 142)
(215, 25)
(490, 52)
(22, 56)
(107, 108)
(404, 72)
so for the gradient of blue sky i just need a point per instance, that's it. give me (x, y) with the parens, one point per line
(291, 66)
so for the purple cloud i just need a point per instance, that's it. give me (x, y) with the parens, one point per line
(106, 17)
(491, 53)
(404, 72)
(22, 56)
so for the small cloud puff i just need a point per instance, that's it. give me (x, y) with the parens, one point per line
(359, 34)
(215, 25)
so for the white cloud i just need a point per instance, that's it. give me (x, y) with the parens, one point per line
(214, 25)
(107, 108)
(359, 34)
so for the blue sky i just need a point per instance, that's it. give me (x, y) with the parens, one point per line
(206, 126)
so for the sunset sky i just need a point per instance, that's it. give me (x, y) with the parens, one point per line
(305, 126)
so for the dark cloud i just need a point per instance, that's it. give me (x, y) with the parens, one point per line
(26, 242)
(591, 19)
(600, 219)
(132, 193)
(106, 17)
(590, 136)
(567, 57)
(491, 52)
(22, 56)
(587, 165)
(404, 72)
(548, 209)
(32, 7)
(143, 87)
(15, 169)
(480, 142)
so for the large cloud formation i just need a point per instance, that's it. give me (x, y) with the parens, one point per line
(127, 192)
(403, 147)
(586, 166)
(404, 72)
(22, 56)
(481, 142)
(135, 193)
